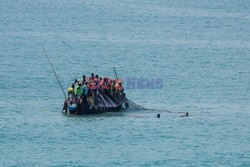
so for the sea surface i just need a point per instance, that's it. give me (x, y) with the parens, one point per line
(199, 49)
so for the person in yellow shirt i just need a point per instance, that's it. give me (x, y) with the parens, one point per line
(70, 92)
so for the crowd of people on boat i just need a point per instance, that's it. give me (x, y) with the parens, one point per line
(88, 85)
(84, 90)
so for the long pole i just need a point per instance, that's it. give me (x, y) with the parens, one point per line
(54, 72)
(115, 74)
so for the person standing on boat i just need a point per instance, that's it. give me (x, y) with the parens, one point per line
(113, 87)
(70, 93)
(91, 99)
(119, 89)
(85, 89)
(84, 97)
(78, 90)
(73, 84)
(83, 79)
(110, 86)
(91, 85)
(92, 77)
(105, 83)
(96, 79)
(100, 83)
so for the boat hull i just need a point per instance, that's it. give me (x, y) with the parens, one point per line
(104, 102)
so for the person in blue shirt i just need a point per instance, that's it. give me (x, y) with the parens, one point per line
(85, 89)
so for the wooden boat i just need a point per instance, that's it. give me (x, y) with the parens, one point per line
(104, 102)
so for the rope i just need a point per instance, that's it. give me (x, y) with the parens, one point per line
(137, 106)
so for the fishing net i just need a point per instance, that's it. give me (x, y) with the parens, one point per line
(133, 106)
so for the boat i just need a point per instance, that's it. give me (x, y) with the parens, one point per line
(104, 102)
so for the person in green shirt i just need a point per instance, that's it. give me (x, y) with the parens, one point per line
(78, 91)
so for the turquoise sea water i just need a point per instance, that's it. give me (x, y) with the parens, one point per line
(201, 50)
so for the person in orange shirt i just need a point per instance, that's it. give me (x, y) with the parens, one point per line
(119, 88)
(91, 78)
(101, 83)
